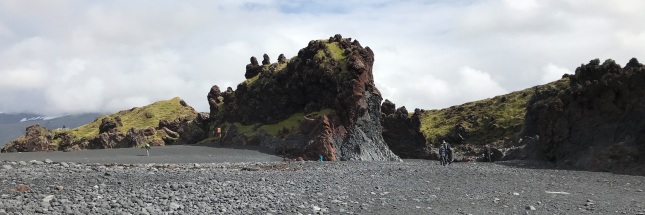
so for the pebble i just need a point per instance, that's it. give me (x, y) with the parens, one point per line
(7, 166)
(48, 161)
(530, 207)
(48, 198)
(35, 162)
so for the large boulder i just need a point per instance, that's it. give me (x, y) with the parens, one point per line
(596, 124)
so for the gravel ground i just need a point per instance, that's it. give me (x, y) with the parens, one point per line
(275, 187)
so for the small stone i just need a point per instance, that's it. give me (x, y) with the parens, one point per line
(7, 167)
(174, 206)
(516, 194)
(22, 163)
(174, 187)
(496, 200)
(639, 190)
(262, 179)
(589, 200)
(316, 208)
(48, 198)
(530, 207)
(589, 204)
(35, 162)
(197, 165)
(22, 187)
(48, 161)
(59, 187)
(40, 210)
(63, 164)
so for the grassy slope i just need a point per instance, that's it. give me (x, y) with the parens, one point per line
(136, 117)
(488, 121)
(272, 129)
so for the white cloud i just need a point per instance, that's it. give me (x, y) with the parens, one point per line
(551, 72)
(72, 56)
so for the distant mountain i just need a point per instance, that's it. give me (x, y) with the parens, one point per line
(13, 125)
(10, 118)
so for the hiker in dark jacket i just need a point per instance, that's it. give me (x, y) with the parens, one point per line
(442, 156)
(448, 148)
(487, 153)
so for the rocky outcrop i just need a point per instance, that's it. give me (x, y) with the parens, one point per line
(597, 124)
(402, 133)
(253, 68)
(124, 129)
(331, 74)
(36, 138)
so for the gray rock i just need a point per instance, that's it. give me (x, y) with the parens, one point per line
(7, 166)
(174, 187)
(48, 161)
(174, 206)
(63, 164)
(35, 162)
(530, 207)
(22, 163)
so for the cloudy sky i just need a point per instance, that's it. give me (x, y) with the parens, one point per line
(59, 57)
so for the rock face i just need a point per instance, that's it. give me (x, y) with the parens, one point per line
(36, 138)
(402, 133)
(334, 74)
(597, 124)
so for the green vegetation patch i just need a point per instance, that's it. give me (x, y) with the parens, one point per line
(487, 121)
(289, 123)
(336, 52)
(139, 117)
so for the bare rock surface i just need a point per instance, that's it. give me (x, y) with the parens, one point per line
(276, 187)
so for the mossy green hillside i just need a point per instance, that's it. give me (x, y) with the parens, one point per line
(139, 117)
(290, 123)
(489, 121)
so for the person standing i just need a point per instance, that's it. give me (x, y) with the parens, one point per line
(448, 148)
(442, 156)
(487, 153)
(147, 149)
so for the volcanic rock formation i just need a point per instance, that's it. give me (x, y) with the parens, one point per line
(328, 88)
(597, 124)
(402, 133)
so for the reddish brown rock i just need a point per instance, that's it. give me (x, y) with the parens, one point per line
(36, 139)
(22, 188)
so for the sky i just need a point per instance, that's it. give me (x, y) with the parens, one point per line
(66, 57)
